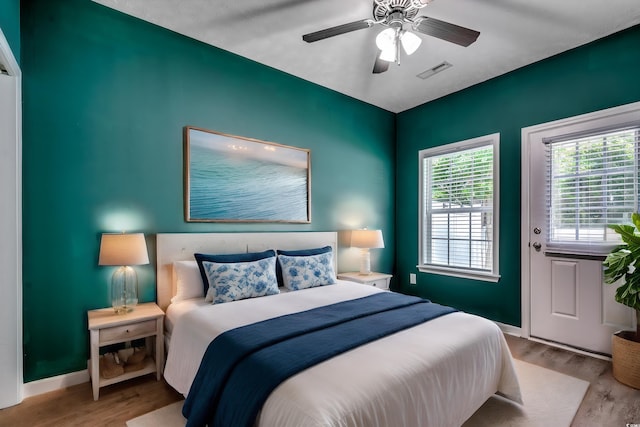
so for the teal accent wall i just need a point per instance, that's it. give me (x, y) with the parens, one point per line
(106, 97)
(596, 76)
(10, 24)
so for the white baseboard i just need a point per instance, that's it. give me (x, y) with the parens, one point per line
(46, 385)
(509, 329)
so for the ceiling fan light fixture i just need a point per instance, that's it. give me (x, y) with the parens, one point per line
(386, 40)
(389, 54)
(410, 42)
(394, 15)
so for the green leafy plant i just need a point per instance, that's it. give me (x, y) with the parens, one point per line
(624, 262)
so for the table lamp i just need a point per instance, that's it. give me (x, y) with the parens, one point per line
(123, 250)
(365, 240)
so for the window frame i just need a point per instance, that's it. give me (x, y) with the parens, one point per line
(492, 140)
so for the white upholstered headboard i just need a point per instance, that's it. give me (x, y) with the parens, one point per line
(172, 247)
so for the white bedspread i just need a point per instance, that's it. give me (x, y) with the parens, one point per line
(434, 374)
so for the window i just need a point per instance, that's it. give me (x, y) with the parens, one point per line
(592, 181)
(459, 209)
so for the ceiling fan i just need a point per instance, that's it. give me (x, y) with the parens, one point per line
(394, 14)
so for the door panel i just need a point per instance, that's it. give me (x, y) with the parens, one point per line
(564, 289)
(567, 304)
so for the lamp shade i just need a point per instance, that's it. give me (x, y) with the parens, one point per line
(410, 42)
(123, 249)
(386, 39)
(388, 55)
(367, 239)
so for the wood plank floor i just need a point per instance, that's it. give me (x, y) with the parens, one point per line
(75, 406)
(607, 402)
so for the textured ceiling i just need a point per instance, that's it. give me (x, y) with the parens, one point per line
(513, 33)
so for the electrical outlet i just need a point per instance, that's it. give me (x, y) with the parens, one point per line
(412, 279)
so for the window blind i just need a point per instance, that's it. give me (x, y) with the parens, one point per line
(458, 206)
(591, 181)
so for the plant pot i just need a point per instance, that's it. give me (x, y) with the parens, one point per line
(625, 353)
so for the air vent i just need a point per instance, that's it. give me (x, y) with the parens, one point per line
(434, 70)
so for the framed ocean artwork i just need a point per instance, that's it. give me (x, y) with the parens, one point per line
(230, 178)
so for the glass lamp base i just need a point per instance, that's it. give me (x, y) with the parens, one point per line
(124, 290)
(122, 310)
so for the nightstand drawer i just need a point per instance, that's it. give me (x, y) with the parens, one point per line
(127, 332)
(382, 283)
(378, 280)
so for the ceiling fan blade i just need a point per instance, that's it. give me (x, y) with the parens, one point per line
(380, 66)
(445, 31)
(335, 31)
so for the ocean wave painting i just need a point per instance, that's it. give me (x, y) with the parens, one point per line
(231, 178)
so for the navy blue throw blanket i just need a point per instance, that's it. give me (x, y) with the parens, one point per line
(242, 366)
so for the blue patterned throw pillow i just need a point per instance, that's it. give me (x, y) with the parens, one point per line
(241, 280)
(298, 252)
(302, 272)
(243, 257)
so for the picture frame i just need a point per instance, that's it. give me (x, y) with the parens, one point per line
(229, 178)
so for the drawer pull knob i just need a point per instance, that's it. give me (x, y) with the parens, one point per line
(127, 331)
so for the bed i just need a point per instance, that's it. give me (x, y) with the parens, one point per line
(437, 373)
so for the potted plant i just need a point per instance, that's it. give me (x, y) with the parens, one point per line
(623, 262)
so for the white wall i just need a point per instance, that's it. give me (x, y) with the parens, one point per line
(10, 230)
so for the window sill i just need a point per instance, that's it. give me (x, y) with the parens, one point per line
(465, 274)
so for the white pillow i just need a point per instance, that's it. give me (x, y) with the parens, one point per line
(188, 281)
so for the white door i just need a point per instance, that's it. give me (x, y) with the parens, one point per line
(576, 186)
(10, 232)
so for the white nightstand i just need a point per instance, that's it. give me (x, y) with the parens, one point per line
(379, 280)
(106, 328)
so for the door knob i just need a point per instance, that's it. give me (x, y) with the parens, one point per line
(536, 246)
